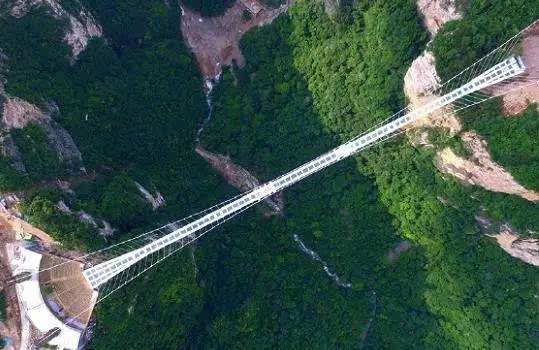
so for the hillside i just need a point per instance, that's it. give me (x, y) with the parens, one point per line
(427, 241)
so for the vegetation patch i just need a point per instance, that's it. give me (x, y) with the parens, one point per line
(40, 160)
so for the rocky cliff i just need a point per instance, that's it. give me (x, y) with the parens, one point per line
(82, 25)
(239, 177)
(436, 13)
(215, 41)
(18, 113)
(479, 169)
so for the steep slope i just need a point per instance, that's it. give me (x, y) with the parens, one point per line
(478, 168)
(467, 292)
(215, 41)
(82, 25)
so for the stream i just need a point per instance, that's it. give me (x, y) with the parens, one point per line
(374, 297)
(210, 85)
(367, 330)
(314, 255)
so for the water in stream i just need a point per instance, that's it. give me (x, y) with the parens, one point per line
(317, 257)
(210, 84)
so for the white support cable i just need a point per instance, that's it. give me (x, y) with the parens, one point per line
(105, 271)
(197, 234)
(186, 240)
(137, 238)
(488, 56)
(110, 291)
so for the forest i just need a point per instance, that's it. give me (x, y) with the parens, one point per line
(460, 270)
(311, 81)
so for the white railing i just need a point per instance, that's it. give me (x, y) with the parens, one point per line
(105, 271)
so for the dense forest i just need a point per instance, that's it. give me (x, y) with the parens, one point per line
(350, 72)
(120, 128)
(133, 101)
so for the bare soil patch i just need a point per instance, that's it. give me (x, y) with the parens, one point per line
(438, 12)
(215, 40)
(522, 94)
(11, 326)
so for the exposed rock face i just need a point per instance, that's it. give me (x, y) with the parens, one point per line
(82, 26)
(253, 6)
(332, 7)
(438, 12)
(18, 113)
(480, 169)
(520, 94)
(156, 200)
(15, 113)
(9, 149)
(238, 177)
(82, 29)
(525, 249)
(421, 78)
(103, 228)
(338, 10)
(420, 81)
(62, 142)
(215, 40)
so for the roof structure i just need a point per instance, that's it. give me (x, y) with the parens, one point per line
(33, 305)
(66, 289)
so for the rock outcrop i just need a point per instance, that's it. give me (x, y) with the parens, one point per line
(215, 41)
(400, 248)
(420, 81)
(239, 177)
(82, 25)
(521, 93)
(480, 169)
(18, 113)
(104, 228)
(331, 7)
(156, 200)
(438, 12)
(9, 149)
(62, 143)
(525, 249)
